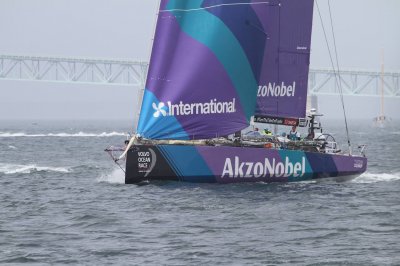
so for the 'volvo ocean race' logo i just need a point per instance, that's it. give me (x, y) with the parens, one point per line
(276, 90)
(146, 161)
(212, 107)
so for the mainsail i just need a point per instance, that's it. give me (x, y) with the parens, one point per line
(282, 92)
(205, 68)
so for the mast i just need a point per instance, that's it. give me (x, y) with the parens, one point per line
(279, 57)
(382, 84)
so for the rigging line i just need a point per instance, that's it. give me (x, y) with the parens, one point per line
(214, 6)
(329, 51)
(141, 91)
(120, 167)
(340, 79)
(109, 151)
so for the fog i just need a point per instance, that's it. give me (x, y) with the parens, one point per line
(122, 29)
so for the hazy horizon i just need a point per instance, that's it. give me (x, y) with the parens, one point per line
(123, 29)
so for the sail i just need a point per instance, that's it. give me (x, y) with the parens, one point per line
(204, 70)
(282, 92)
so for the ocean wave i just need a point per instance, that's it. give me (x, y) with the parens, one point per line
(62, 135)
(10, 169)
(377, 177)
(115, 177)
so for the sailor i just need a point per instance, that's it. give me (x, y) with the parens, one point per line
(311, 134)
(293, 134)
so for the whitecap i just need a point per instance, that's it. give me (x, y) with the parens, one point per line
(10, 169)
(62, 135)
(117, 176)
(376, 177)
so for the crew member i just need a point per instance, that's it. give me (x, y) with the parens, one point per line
(293, 134)
(266, 132)
(311, 134)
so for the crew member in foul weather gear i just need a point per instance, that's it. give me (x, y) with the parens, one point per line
(266, 132)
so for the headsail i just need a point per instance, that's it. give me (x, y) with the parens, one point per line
(282, 92)
(205, 68)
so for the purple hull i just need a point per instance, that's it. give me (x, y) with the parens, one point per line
(222, 164)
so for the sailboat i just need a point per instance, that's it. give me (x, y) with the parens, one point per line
(217, 66)
(382, 120)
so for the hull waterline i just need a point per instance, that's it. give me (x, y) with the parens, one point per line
(222, 164)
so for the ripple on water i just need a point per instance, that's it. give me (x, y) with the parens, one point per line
(68, 204)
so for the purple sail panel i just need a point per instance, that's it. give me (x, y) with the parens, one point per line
(282, 91)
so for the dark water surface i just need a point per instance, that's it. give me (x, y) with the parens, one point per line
(62, 201)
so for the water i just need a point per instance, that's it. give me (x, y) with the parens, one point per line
(62, 201)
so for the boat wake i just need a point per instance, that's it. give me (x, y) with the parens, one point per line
(62, 135)
(10, 169)
(115, 177)
(118, 177)
(377, 177)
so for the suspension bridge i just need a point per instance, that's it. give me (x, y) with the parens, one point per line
(133, 73)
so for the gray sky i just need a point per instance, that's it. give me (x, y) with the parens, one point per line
(123, 29)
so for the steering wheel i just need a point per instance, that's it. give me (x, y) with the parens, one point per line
(329, 142)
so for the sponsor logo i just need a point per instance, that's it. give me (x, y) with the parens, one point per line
(183, 109)
(276, 90)
(358, 164)
(302, 48)
(235, 168)
(146, 161)
(159, 109)
(277, 120)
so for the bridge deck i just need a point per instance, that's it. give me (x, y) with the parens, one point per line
(133, 73)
